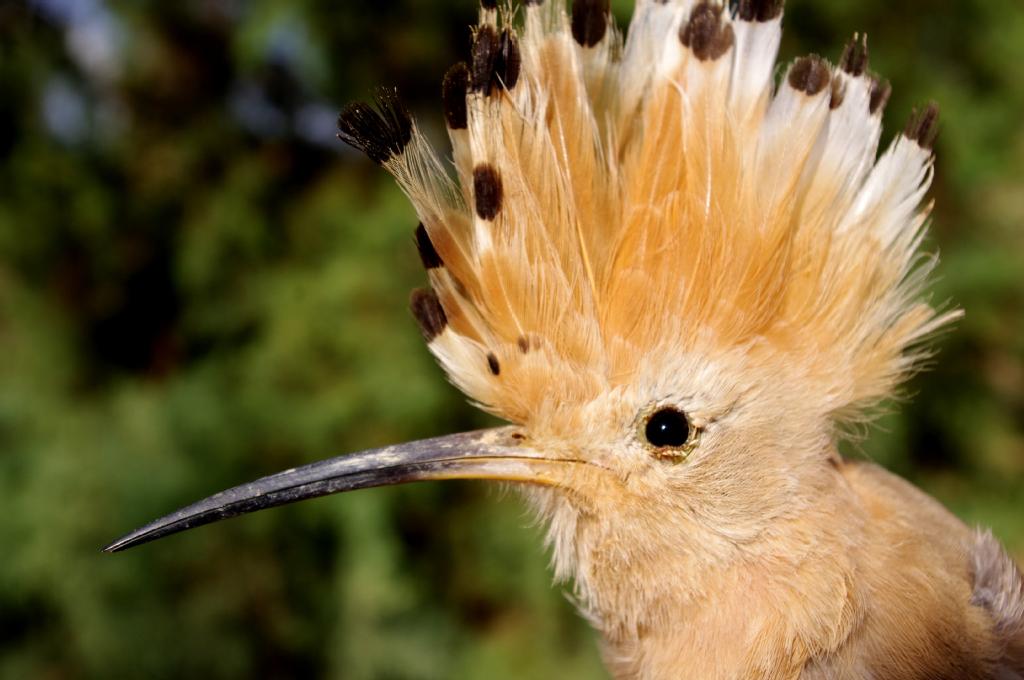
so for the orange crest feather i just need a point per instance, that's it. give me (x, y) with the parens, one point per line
(615, 201)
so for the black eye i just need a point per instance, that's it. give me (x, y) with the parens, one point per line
(667, 428)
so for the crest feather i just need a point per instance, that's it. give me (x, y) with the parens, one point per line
(613, 199)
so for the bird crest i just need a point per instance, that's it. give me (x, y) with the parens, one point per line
(614, 203)
(676, 275)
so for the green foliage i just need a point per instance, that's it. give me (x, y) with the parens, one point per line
(198, 286)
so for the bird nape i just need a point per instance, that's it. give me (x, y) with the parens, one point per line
(680, 281)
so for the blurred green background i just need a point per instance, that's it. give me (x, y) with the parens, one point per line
(200, 285)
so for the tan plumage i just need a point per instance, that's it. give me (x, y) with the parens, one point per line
(675, 228)
(657, 203)
(680, 281)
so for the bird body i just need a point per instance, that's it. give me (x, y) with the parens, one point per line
(681, 283)
(875, 581)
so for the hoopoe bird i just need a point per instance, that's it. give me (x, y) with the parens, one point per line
(681, 282)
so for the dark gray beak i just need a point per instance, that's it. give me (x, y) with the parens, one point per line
(485, 454)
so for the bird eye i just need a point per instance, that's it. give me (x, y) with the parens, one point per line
(667, 428)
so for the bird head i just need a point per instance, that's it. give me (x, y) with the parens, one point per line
(678, 278)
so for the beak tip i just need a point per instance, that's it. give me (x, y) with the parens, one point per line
(117, 546)
(131, 540)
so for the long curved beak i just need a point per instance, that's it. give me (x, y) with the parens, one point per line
(485, 454)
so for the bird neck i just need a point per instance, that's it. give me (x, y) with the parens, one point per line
(715, 602)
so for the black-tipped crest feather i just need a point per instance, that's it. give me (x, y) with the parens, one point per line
(759, 10)
(810, 75)
(486, 47)
(425, 247)
(453, 96)
(706, 34)
(509, 61)
(855, 56)
(590, 21)
(429, 314)
(923, 126)
(487, 191)
(881, 90)
(380, 130)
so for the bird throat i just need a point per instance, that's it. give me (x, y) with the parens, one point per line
(699, 602)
